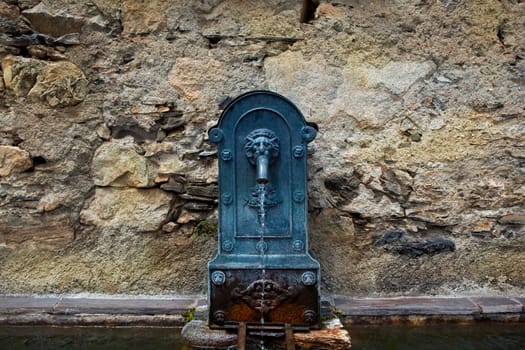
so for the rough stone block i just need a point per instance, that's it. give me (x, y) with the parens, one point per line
(13, 159)
(397, 77)
(211, 191)
(192, 78)
(120, 164)
(144, 210)
(55, 24)
(198, 334)
(513, 219)
(49, 231)
(140, 17)
(20, 73)
(58, 83)
(367, 205)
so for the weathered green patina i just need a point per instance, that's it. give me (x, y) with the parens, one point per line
(262, 274)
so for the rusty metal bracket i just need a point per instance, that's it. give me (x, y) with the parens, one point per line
(241, 336)
(288, 337)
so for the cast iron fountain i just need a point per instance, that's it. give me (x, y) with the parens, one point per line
(262, 278)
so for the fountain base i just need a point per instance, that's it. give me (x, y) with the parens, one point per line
(279, 296)
(331, 336)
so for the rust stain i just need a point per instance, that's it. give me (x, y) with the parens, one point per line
(242, 313)
(287, 313)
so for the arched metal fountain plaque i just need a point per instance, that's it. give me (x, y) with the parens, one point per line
(262, 274)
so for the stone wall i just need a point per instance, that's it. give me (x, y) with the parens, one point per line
(417, 176)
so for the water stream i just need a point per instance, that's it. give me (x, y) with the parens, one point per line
(261, 213)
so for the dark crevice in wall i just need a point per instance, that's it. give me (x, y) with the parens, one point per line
(308, 10)
(37, 160)
(500, 32)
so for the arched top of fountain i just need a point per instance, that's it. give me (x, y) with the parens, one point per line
(265, 100)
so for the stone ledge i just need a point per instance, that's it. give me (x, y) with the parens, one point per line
(168, 311)
(24, 304)
(497, 305)
(125, 306)
(116, 311)
(106, 320)
(521, 300)
(421, 310)
(406, 306)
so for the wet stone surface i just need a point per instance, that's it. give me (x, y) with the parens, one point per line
(198, 334)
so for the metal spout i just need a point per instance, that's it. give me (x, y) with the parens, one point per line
(262, 147)
(262, 169)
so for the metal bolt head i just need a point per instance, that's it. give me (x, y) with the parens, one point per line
(261, 247)
(298, 196)
(227, 246)
(309, 316)
(308, 278)
(227, 198)
(298, 245)
(216, 135)
(308, 133)
(218, 278)
(298, 151)
(226, 155)
(219, 316)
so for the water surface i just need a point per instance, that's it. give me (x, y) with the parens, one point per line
(479, 336)
(90, 338)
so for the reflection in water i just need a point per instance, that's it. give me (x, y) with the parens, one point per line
(81, 338)
(480, 336)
